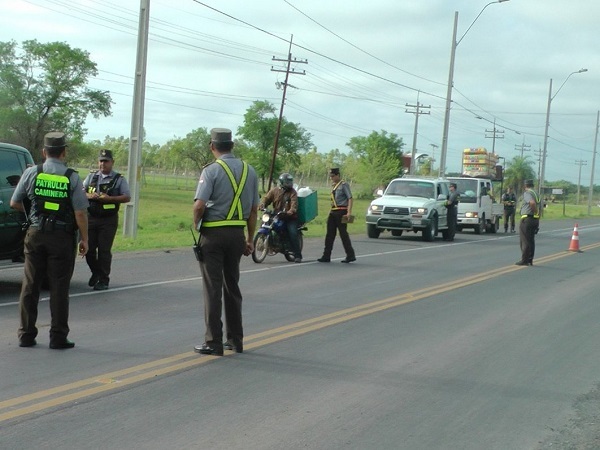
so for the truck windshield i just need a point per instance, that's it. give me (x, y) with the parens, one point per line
(411, 188)
(467, 190)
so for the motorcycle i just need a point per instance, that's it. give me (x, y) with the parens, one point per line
(272, 238)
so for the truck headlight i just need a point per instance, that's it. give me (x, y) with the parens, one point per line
(471, 215)
(375, 209)
(421, 211)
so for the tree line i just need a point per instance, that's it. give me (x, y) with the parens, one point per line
(44, 87)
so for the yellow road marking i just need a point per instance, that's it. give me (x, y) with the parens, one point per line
(60, 395)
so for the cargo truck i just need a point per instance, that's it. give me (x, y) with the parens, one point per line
(477, 209)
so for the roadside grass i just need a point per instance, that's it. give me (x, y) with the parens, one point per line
(165, 216)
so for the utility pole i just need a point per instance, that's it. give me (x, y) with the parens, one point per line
(522, 148)
(287, 71)
(417, 112)
(591, 191)
(496, 134)
(581, 163)
(130, 216)
(433, 147)
(538, 153)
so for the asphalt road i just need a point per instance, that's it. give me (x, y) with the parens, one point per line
(415, 346)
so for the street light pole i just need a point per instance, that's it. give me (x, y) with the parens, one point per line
(444, 151)
(544, 150)
(591, 190)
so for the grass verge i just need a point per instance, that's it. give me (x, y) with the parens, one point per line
(165, 217)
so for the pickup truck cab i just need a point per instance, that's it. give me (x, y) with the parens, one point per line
(477, 208)
(410, 204)
(13, 162)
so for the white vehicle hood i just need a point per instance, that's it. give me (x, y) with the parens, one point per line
(399, 200)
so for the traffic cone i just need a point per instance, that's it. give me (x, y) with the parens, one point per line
(574, 247)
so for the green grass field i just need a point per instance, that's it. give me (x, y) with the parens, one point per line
(165, 216)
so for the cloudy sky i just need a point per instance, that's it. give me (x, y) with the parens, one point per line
(365, 60)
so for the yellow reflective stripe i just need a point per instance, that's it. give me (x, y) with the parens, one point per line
(236, 204)
(535, 216)
(333, 203)
(223, 223)
(53, 177)
(109, 206)
(51, 206)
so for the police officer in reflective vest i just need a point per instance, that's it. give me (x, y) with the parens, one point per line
(58, 210)
(226, 202)
(509, 199)
(105, 190)
(341, 206)
(530, 222)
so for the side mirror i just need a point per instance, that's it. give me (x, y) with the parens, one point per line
(379, 192)
(441, 197)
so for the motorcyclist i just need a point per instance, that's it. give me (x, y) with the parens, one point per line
(285, 202)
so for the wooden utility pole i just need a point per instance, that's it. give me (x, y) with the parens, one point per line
(417, 112)
(496, 134)
(581, 163)
(130, 216)
(287, 71)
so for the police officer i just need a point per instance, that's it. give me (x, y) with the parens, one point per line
(530, 222)
(509, 199)
(285, 201)
(226, 201)
(105, 190)
(341, 210)
(452, 206)
(58, 210)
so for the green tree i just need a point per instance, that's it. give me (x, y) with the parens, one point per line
(258, 132)
(192, 150)
(44, 88)
(518, 170)
(376, 159)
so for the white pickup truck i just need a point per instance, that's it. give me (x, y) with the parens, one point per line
(410, 204)
(477, 208)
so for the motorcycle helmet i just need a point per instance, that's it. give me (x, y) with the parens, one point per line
(286, 181)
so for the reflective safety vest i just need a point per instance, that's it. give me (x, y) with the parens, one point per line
(53, 195)
(334, 205)
(537, 202)
(98, 209)
(235, 216)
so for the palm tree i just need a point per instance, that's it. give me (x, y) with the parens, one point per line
(519, 170)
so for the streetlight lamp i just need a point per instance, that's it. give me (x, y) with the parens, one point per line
(550, 98)
(455, 43)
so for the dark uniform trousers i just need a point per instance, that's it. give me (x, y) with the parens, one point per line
(527, 229)
(51, 253)
(452, 219)
(222, 250)
(101, 235)
(334, 224)
(509, 217)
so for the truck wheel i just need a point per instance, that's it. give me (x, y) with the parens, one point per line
(494, 225)
(480, 226)
(372, 231)
(397, 233)
(431, 231)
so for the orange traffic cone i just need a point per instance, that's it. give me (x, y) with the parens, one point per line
(574, 247)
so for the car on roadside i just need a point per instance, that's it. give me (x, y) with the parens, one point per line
(410, 204)
(13, 162)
